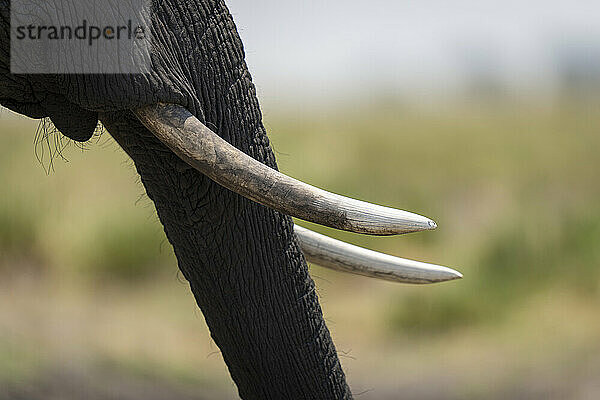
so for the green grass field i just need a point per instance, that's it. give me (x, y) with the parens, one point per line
(87, 278)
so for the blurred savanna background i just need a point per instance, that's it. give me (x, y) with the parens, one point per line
(482, 115)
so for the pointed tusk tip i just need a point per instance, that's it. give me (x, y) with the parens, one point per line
(454, 275)
(415, 224)
(447, 274)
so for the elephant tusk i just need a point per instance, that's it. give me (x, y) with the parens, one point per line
(204, 150)
(340, 256)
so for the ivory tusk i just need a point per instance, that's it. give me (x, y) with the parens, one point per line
(340, 256)
(204, 150)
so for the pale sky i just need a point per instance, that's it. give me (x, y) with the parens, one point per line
(320, 48)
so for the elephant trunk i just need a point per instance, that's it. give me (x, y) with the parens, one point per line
(246, 271)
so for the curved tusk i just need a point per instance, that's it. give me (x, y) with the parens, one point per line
(204, 150)
(340, 256)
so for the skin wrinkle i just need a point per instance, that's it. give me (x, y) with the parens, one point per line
(242, 260)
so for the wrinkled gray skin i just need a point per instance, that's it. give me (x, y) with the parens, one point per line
(242, 260)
